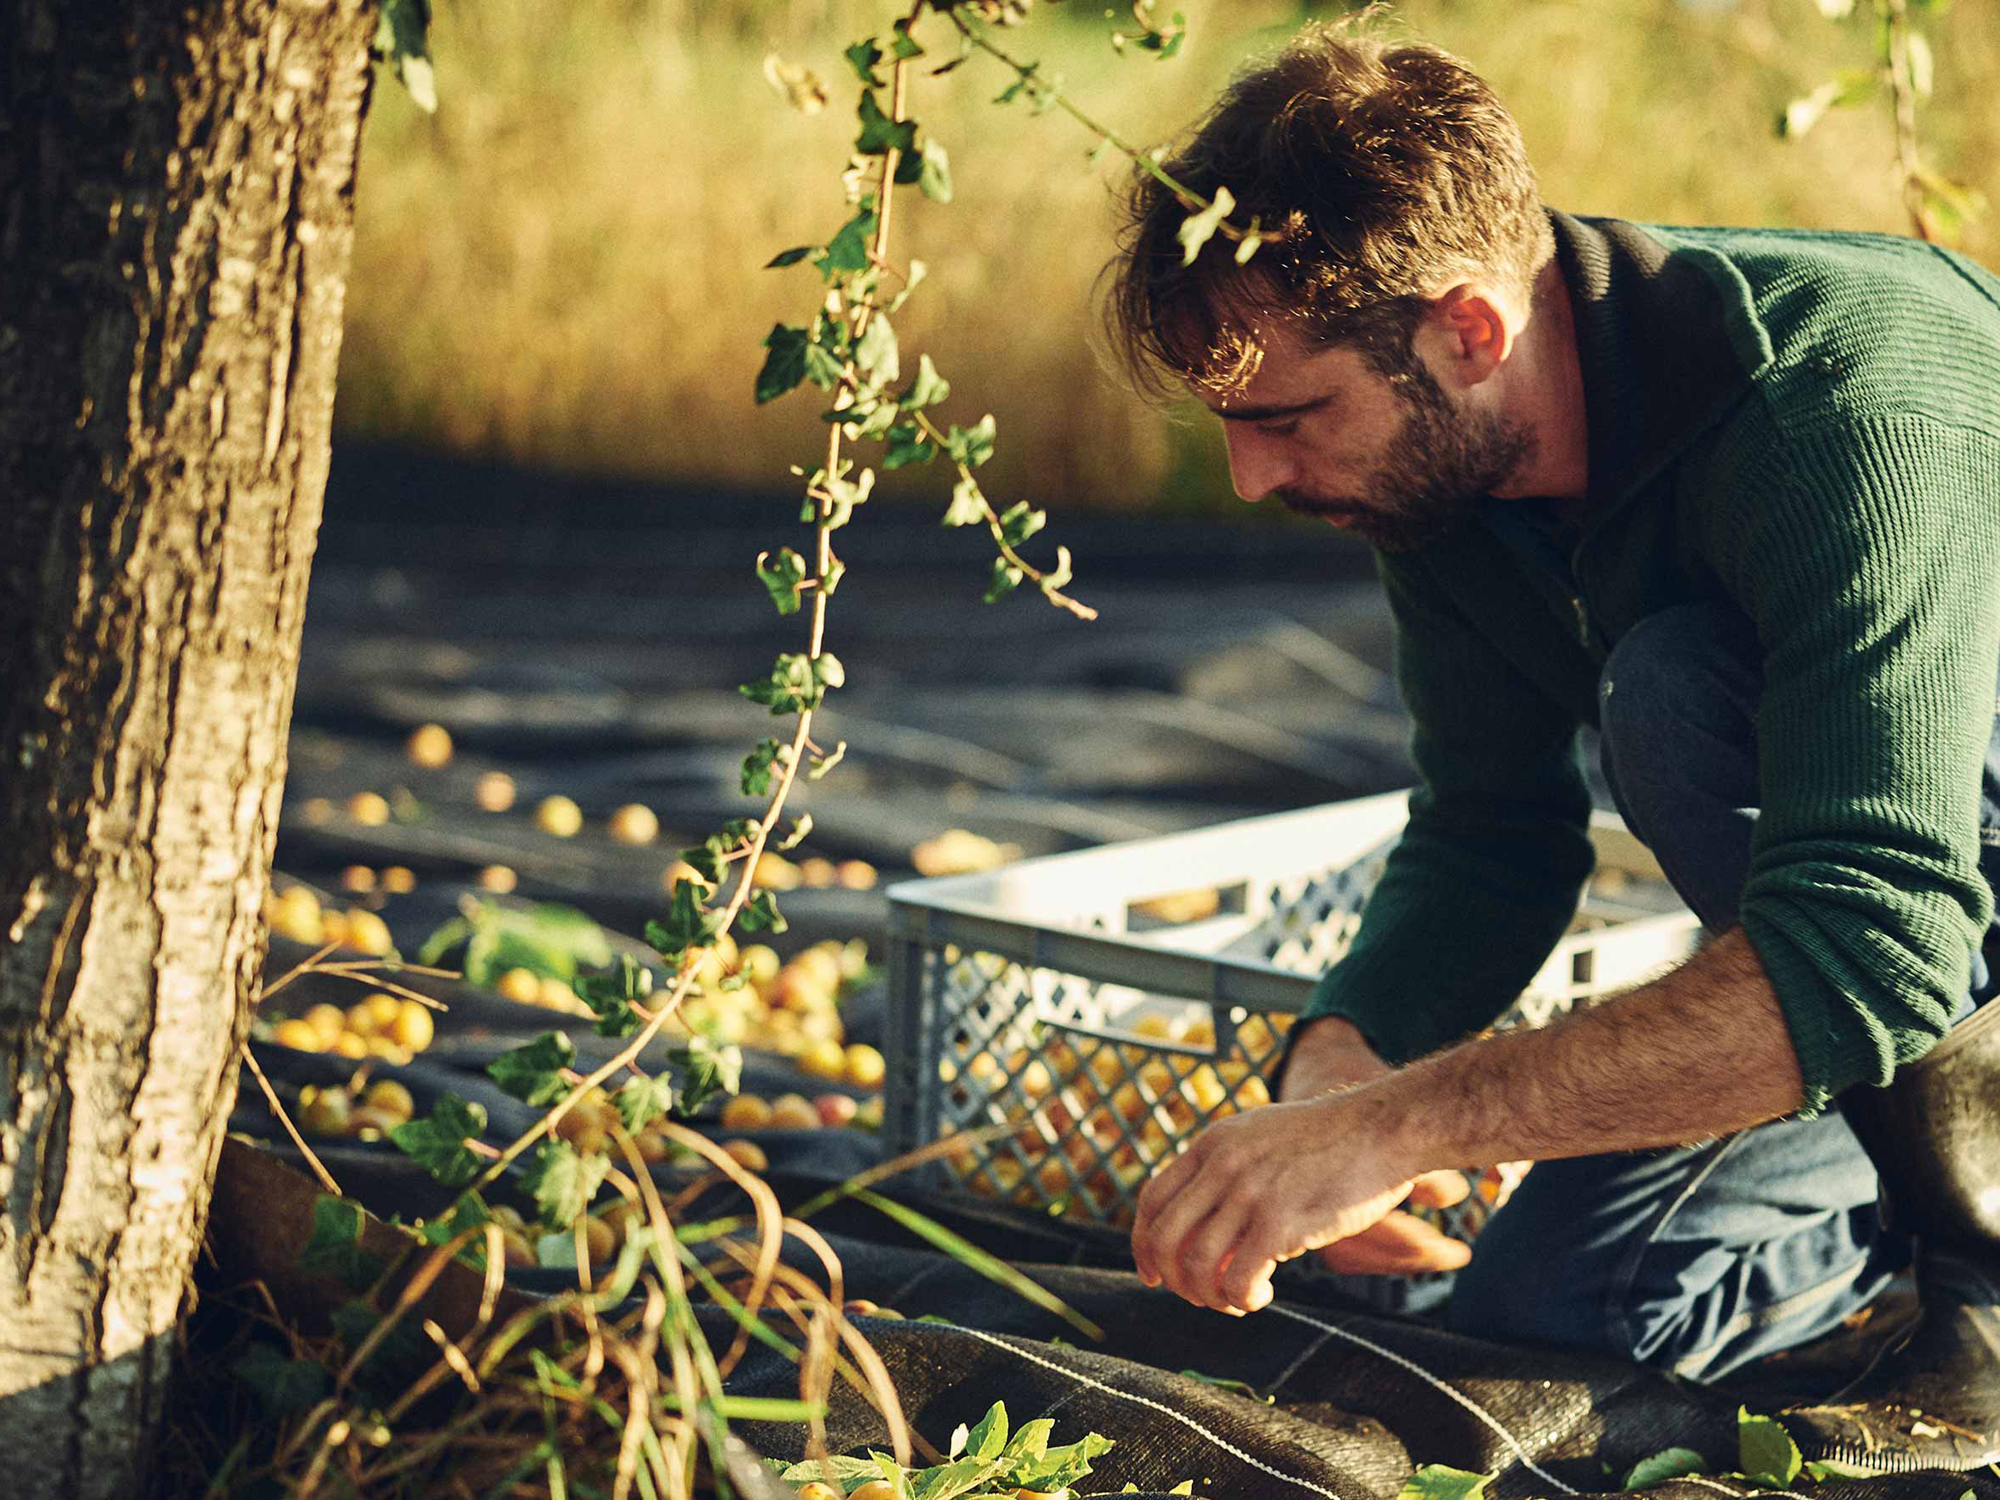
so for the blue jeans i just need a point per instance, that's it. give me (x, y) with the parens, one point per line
(1700, 1258)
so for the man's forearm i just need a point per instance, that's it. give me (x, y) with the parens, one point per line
(1698, 1053)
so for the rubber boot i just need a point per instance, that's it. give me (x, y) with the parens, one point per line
(1931, 1397)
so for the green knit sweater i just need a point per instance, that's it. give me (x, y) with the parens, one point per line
(1807, 425)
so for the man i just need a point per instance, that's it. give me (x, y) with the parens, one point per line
(1733, 497)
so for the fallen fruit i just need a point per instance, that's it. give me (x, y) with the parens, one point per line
(866, 1067)
(368, 933)
(814, 1489)
(498, 879)
(390, 1097)
(494, 791)
(793, 1112)
(634, 823)
(824, 1058)
(300, 1034)
(559, 816)
(746, 1112)
(857, 875)
(524, 986)
(600, 1240)
(413, 1027)
(836, 1110)
(327, 1113)
(429, 746)
(399, 880)
(874, 1489)
(357, 878)
(370, 809)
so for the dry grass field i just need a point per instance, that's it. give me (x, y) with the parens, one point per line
(562, 267)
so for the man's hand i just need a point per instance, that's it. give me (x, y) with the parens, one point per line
(1263, 1187)
(1330, 1053)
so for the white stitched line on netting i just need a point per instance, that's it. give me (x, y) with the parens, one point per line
(1425, 1375)
(1186, 1421)
(1711, 1484)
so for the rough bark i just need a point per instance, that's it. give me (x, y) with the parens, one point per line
(176, 182)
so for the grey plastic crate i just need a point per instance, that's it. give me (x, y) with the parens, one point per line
(1108, 1003)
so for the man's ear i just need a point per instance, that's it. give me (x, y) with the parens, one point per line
(1472, 331)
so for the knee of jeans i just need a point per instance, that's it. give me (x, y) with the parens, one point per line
(1690, 668)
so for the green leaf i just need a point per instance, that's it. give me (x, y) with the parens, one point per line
(281, 1385)
(399, 1349)
(1439, 1482)
(822, 366)
(1059, 1468)
(1060, 574)
(783, 578)
(875, 352)
(828, 672)
(801, 827)
(611, 991)
(705, 1068)
(973, 1258)
(791, 685)
(789, 257)
(879, 133)
(562, 1182)
(847, 251)
(908, 445)
(1197, 229)
(437, 1142)
(1819, 1470)
(785, 366)
(403, 36)
(862, 57)
(826, 763)
(844, 1469)
(642, 1099)
(760, 914)
(1018, 522)
(757, 768)
(989, 1438)
(469, 1212)
(1668, 1463)
(1765, 1451)
(968, 505)
(334, 1248)
(689, 923)
(533, 1073)
(1006, 578)
(971, 446)
(934, 178)
(928, 389)
(902, 44)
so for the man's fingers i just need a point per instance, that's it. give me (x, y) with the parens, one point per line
(1398, 1244)
(1440, 1189)
(1160, 1191)
(1205, 1252)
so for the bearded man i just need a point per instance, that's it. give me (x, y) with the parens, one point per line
(1732, 497)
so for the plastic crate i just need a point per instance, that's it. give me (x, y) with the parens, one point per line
(1108, 1003)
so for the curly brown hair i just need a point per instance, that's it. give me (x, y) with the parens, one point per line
(1376, 172)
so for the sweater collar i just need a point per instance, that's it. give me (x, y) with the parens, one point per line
(1667, 340)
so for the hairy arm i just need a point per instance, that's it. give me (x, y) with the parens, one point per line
(1699, 1053)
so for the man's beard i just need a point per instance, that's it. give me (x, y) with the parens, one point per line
(1438, 468)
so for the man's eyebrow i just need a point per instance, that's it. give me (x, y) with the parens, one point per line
(1267, 413)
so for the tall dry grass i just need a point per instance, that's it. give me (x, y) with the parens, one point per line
(563, 266)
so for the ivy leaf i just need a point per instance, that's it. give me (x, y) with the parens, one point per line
(908, 445)
(934, 175)
(533, 1073)
(783, 578)
(1006, 578)
(790, 687)
(968, 505)
(562, 1182)
(706, 1068)
(760, 914)
(789, 257)
(879, 133)
(801, 827)
(928, 389)
(1060, 574)
(334, 1248)
(847, 251)
(1197, 229)
(862, 57)
(610, 994)
(437, 1142)
(403, 37)
(1018, 522)
(785, 366)
(469, 1212)
(1440, 1482)
(281, 1385)
(902, 44)
(875, 353)
(757, 768)
(824, 764)
(642, 1099)
(1658, 1468)
(1765, 1451)
(971, 446)
(689, 924)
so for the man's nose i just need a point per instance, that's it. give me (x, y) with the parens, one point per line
(1257, 464)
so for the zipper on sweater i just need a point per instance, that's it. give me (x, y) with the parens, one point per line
(1582, 619)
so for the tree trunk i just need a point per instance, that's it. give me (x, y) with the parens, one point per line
(176, 205)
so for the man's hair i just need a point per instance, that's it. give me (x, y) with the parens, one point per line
(1376, 173)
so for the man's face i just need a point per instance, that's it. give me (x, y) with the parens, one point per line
(1389, 456)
